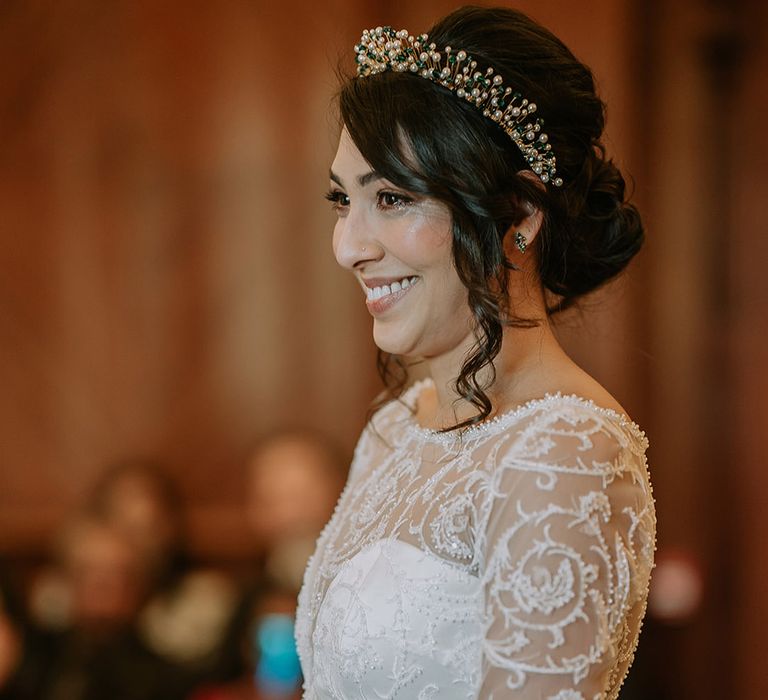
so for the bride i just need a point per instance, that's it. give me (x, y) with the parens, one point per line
(496, 534)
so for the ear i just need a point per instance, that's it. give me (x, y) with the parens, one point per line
(528, 228)
(524, 233)
(530, 225)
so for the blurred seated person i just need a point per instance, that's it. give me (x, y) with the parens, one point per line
(139, 498)
(293, 479)
(11, 639)
(182, 611)
(95, 654)
(187, 609)
(266, 649)
(10, 651)
(16, 681)
(140, 502)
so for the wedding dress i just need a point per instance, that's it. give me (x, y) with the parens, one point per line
(511, 561)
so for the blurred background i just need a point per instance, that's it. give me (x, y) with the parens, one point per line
(184, 371)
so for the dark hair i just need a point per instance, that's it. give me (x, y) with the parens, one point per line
(421, 137)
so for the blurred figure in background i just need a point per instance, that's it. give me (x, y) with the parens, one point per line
(293, 479)
(10, 651)
(188, 609)
(675, 601)
(95, 653)
(126, 584)
(17, 673)
(10, 639)
(107, 576)
(140, 499)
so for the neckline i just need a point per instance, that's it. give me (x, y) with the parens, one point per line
(506, 418)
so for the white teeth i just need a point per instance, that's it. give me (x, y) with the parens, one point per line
(385, 290)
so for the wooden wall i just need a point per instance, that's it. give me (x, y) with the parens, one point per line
(743, 250)
(168, 287)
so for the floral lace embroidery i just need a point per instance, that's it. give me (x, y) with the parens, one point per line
(515, 556)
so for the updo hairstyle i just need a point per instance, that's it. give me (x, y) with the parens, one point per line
(423, 138)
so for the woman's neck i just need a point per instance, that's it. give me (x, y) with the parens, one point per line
(528, 359)
(530, 363)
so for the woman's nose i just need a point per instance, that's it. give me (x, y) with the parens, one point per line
(354, 242)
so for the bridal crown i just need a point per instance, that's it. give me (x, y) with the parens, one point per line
(383, 49)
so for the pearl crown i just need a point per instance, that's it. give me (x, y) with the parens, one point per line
(383, 49)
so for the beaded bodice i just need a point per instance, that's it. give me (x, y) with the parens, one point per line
(511, 561)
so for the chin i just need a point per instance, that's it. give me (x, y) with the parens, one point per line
(394, 343)
(398, 340)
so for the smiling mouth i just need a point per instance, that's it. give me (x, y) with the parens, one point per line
(376, 293)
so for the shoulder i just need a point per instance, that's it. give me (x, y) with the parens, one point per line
(566, 458)
(573, 424)
(561, 452)
(562, 385)
(564, 430)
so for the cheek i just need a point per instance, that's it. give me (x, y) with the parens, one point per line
(451, 309)
(336, 240)
(426, 245)
(450, 298)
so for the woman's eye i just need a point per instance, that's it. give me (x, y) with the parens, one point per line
(393, 200)
(338, 199)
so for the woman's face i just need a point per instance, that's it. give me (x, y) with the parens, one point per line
(398, 246)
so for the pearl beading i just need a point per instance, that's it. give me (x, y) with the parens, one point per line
(383, 49)
(499, 423)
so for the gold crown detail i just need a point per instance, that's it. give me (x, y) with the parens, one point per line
(383, 49)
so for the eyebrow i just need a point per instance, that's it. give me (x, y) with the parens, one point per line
(362, 180)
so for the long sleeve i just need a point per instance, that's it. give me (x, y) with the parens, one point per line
(569, 539)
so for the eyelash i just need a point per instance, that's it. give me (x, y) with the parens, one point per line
(400, 200)
(335, 197)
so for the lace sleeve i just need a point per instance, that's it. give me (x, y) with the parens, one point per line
(569, 541)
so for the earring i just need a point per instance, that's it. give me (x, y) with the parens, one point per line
(520, 241)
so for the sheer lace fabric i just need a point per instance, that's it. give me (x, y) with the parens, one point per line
(510, 562)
